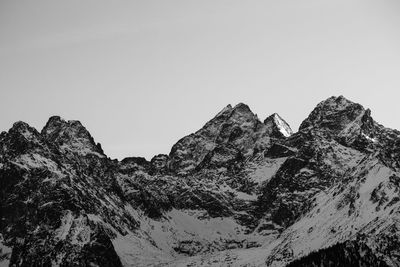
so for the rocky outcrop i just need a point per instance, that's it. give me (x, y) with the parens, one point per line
(70, 137)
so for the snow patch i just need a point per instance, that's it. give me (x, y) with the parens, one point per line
(81, 149)
(154, 243)
(265, 171)
(66, 223)
(238, 194)
(369, 138)
(5, 253)
(375, 176)
(34, 161)
(282, 126)
(135, 251)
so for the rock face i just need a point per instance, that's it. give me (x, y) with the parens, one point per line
(70, 137)
(236, 132)
(238, 192)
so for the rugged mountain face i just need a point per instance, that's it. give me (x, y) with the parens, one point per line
(235, 132)
(238, 192)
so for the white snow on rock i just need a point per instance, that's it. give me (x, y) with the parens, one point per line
(238, 194)
(332, 220)
(193, 230)
(80, 148)
(134, 250)
(5, 253)
(369, 138)
(229, 258)
(282, 126)
(66, 223)
(36, 161)
(76, 229)
(264, 171)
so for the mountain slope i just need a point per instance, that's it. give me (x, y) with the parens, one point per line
(238, 192)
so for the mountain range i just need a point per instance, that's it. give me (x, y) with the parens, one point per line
(238, 192)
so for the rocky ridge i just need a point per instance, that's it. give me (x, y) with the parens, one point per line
(238, 192)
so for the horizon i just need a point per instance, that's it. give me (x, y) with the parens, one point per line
(141, 75)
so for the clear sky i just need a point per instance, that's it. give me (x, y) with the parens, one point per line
(142, 74)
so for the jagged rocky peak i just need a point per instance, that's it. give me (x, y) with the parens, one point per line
(243, 113)
(279, 125)
(238, 114)
(235, 130)
(234, 125)
(24, 129)
(225, 110)
(20, 139)
(240, 121)
(337, 103)
(242, 108)
(71, 136)
(239, 110)
(55, 124)
(339, 117)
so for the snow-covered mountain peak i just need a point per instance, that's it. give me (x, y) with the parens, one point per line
(280, 124)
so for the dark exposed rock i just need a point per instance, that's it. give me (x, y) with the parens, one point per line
(159, 163)
(70, 136)
(278, 151)
(350, 253)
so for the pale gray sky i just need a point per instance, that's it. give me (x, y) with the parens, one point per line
(142, 74)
